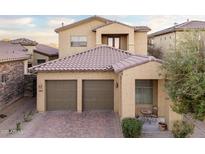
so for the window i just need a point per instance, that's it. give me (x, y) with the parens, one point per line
(29, 65)
(78, 41)
(3, 77)
(117, 42)
(165, 38)
(40, 61)
(144, 92)
(110, 41)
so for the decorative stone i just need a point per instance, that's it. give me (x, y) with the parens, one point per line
(13, 88)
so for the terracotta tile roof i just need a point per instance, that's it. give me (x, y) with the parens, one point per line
(132, 61)
(12, 52)
(24, 42)
(101, 58)
(46, 50)
(189, 25)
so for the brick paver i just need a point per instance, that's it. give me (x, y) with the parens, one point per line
(65, 124)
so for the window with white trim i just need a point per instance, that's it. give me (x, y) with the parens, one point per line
(78, 41)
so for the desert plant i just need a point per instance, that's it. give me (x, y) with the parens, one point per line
(182, 129)
(18, 126)
(185, 73)
(28, 117)
(131, 127)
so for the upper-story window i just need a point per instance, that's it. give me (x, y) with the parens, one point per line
(78, 41)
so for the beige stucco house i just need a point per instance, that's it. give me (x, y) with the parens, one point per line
(103, 65)
(167, 39)
(43, 53)
(39, 53)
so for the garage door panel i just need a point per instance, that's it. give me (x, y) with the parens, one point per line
(61, 95)
(98, 95)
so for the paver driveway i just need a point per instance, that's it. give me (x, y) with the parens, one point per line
(60, 123)
(72, 124)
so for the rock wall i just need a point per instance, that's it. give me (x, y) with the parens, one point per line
(13, 88)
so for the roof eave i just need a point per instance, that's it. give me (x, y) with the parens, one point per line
(13, 59)
(138, 64)
(57, 30)
(49, 55)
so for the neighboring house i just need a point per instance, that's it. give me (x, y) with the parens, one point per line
(43, 53)
(167, 39)
(39, 53)
(102, 77)
(13, 66)
(29, 45)
(95, 31)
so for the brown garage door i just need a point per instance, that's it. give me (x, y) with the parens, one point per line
(98, 95)
(61, 95)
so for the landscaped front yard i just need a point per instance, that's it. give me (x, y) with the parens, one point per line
(72, 124)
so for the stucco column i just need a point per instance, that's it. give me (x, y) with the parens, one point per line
(25, 62)
(79, 96)
(131, 41)
(98, 38)
(161, 99)
(127, 97)
(41, 101)
(164, 105)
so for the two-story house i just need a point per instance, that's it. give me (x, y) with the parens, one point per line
(167, 39)
(96, 31)
(103, 65)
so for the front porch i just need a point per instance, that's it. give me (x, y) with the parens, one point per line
(119, 41)
(143, 87)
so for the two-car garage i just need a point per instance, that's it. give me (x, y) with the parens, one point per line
(96, 95)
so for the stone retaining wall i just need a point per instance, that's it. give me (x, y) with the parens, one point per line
(13, 88)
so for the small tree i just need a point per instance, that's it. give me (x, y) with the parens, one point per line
(185, 73)
(155, 52)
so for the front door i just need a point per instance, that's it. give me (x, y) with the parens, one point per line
(114, 42)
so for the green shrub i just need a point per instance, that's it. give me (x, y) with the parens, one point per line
(182, 129)
(18, 126)
(131, 127)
